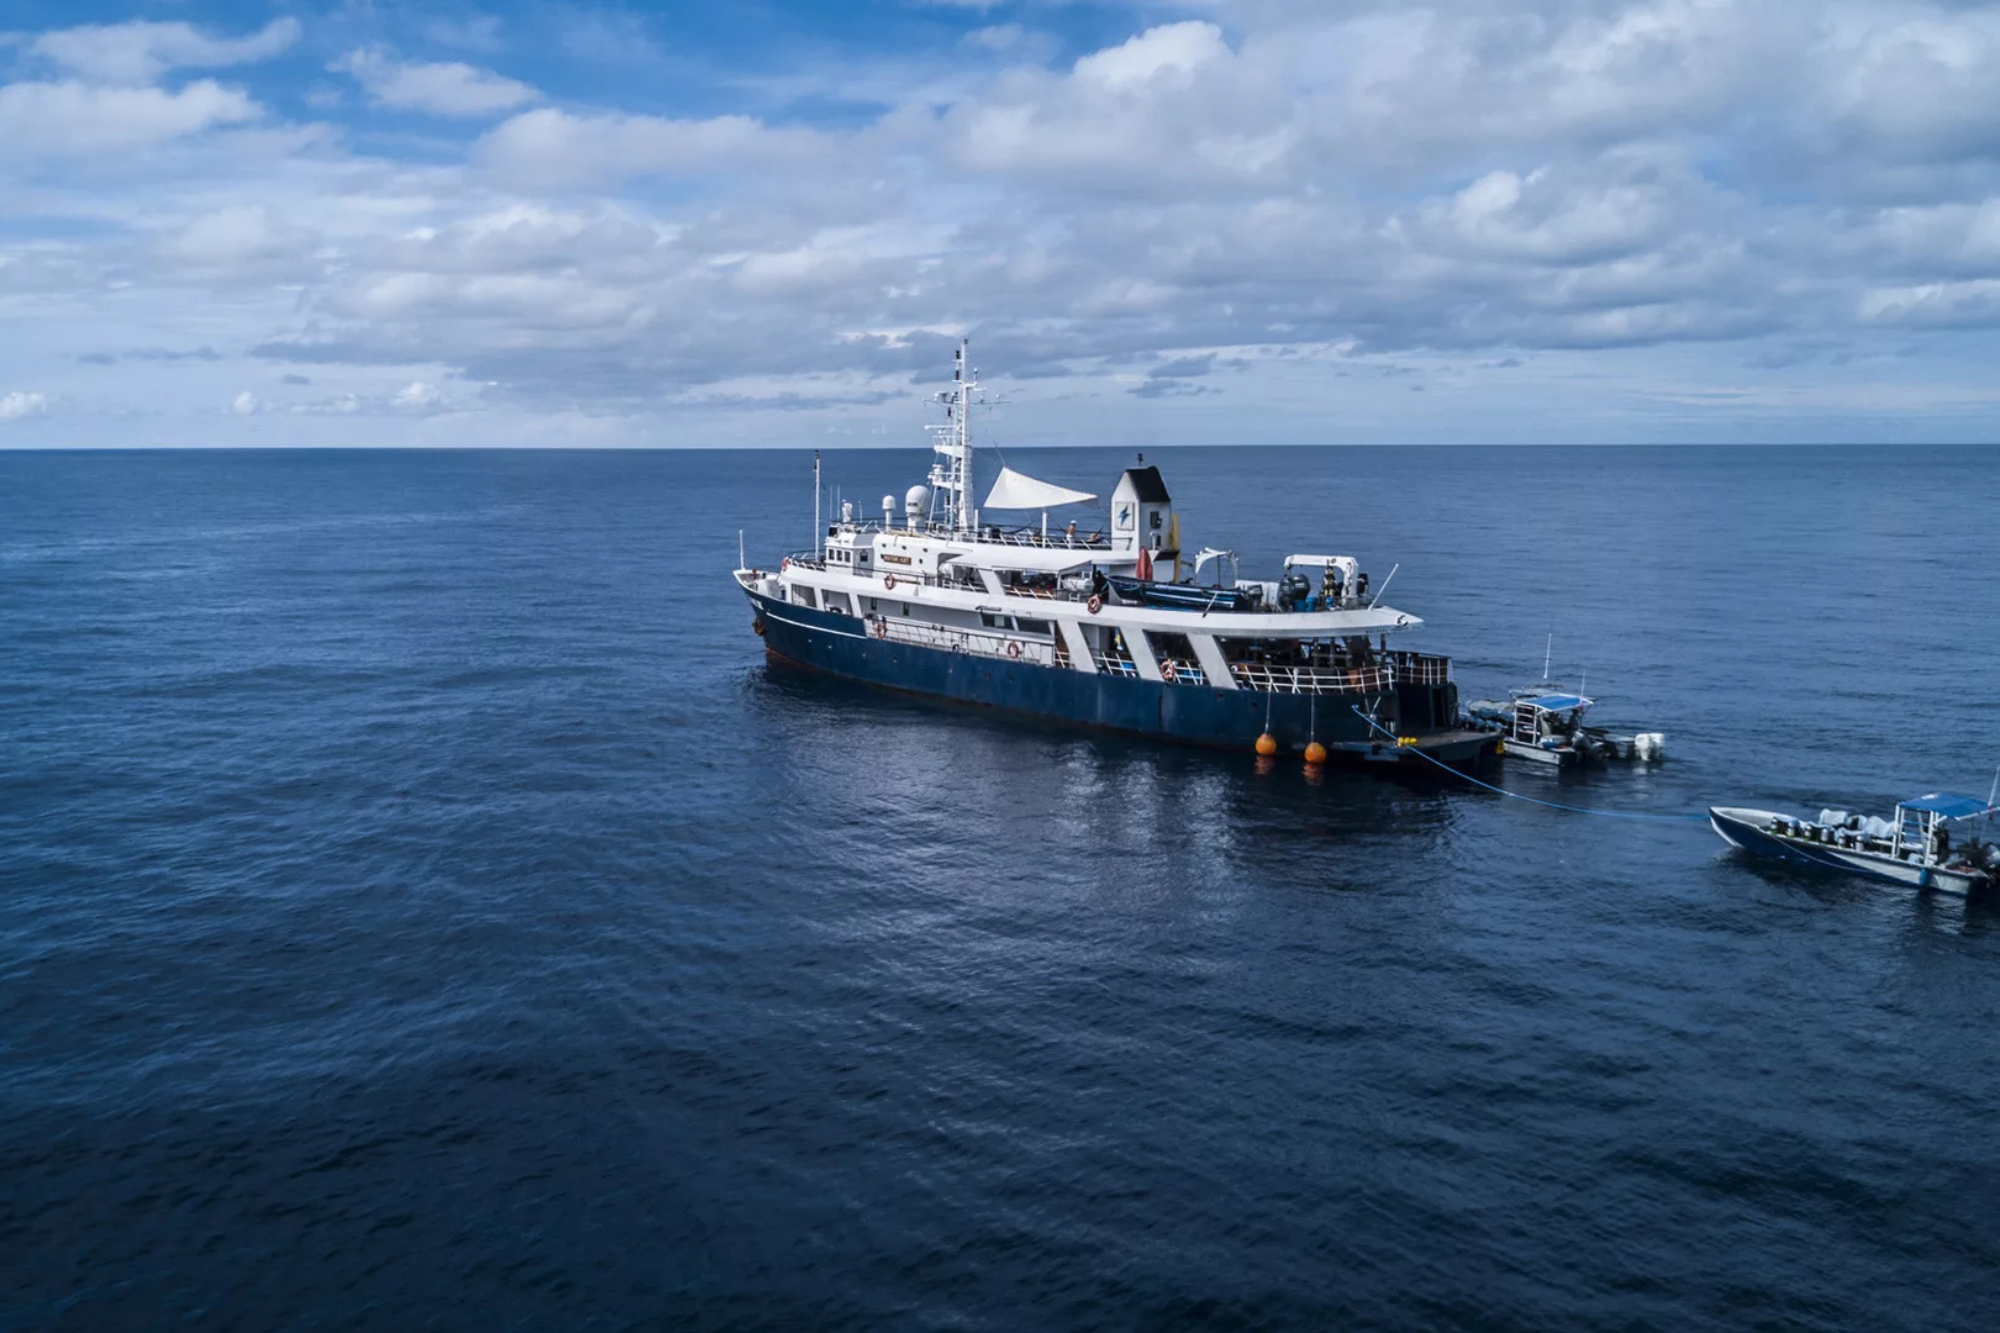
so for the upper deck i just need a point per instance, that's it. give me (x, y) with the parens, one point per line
(1078, 575)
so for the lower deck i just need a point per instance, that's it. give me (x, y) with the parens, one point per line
(1385, 723)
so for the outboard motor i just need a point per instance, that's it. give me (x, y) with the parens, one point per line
(1294, 591)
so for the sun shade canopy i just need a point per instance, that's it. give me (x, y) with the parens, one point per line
(1556, 703)
(1013, 490)
(1944, 803)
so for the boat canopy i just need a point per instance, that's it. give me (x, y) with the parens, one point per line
(1944, 803)
(1015, 490)
(1556, 703)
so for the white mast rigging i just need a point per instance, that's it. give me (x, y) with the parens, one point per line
(951, 474)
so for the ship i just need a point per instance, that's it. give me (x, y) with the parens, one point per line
(1099, 622)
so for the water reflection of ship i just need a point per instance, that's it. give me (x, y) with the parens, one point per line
(1102, 627)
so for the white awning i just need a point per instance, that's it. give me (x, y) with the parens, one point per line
(1012, 490)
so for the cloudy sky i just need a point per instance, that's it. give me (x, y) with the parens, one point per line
(523, 222)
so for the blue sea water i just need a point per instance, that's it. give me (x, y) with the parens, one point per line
(422, 907)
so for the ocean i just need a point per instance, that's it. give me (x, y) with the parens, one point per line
(421, 907)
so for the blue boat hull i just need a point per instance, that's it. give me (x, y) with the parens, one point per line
(1193, 714)
(1748, 834)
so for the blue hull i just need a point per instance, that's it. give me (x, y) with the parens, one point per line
(1193, 714)
(1749, 838)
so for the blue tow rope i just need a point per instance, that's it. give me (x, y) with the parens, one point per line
(1553, 805)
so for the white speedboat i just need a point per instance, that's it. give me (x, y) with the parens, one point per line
(1544, 724)
(1913, 848)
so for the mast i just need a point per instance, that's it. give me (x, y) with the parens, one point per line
(951, 474)
(819, 531)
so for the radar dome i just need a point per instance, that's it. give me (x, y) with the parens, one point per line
(916, 499)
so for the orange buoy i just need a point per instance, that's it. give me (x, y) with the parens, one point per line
(1315, 753)
(1267, 745)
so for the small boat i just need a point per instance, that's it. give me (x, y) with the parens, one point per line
(1913, 847)
(1544, 724)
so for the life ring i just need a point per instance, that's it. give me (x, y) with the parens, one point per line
(881, 627)
(1094, 605)
(1013, 648)
(889, 582)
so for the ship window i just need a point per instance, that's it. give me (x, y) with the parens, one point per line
(1034, 626)
(906, 608)
(803, 595)
(874, 605)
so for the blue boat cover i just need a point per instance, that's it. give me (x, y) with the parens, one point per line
(1944, 803)
(1562, 703)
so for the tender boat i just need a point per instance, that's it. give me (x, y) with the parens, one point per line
(1544, 724)
(1093, 624)
(1913, 847)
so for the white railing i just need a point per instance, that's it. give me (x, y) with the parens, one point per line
(1096, 541)
(1312, 680)
(972, 642)
(1420, 668)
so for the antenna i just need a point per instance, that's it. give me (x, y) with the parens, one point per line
(741, 562)
(819, 536)
(1548, 654)
(1385, 585)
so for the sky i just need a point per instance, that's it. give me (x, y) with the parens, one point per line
(765, 223)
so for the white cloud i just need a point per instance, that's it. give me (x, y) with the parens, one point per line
(1937, 304)
(442, 89)
(548, 147)
(245, 239)
(72, 117)
(418, 396)
(245, 404)
(21, 403)
(1180, 48)
(1772, 186)
(137, 53)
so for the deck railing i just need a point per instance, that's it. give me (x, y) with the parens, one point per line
(1271, 679)
(1420, 668)
(972, 642)
(1312, 680)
